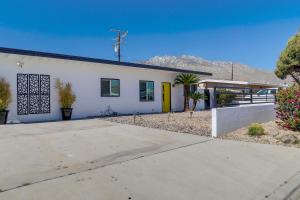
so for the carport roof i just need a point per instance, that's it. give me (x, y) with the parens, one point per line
(240, 83)
(96, 60)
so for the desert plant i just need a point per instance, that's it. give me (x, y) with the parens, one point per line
(288, 63)
(288, 107)
(5, 94)
(196, 96)
(66, 95)
(186, 80)
(225, 99)
(256, 129)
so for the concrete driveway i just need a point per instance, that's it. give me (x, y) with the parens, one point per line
(95, 159)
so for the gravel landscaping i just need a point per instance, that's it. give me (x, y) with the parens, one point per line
(198, 124)
(273, 135)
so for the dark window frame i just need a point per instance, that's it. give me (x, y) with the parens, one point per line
(142, 100)
(110, 79)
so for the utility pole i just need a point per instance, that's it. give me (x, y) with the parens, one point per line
(120, 39)
(232, 71)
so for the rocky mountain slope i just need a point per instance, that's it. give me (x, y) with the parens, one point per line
(220, 69)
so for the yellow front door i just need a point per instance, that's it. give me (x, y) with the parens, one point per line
(166, 97)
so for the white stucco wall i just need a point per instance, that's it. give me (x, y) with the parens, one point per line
(228, 119)
(85, 78)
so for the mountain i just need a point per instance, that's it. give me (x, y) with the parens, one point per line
(219, 69)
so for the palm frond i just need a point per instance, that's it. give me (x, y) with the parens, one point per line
(186, 79)
(196, 96)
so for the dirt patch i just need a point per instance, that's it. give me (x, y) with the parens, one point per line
(198, 124)
(273, 135)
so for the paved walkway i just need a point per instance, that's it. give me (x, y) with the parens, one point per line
(95, 159)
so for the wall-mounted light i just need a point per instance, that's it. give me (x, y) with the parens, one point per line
(20, 64)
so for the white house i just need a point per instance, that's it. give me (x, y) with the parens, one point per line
(100, 85)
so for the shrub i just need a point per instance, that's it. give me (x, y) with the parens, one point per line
(196, 96)
(66, 95)
(5, 94)
(288, 108)
(256, 129)
(225, 99)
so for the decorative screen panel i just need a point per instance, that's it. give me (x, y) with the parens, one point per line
(22, 94)
(33, 94)
(44, 94)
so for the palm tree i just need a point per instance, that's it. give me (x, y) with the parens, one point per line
(196, 96)
(186, 80)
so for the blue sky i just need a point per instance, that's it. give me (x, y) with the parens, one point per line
(250, 32)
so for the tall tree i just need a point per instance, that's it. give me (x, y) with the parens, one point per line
(288, 63)
(186, 80)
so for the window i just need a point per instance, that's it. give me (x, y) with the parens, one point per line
(110, 87)
(146, 91)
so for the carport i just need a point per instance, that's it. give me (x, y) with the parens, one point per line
(209, 86)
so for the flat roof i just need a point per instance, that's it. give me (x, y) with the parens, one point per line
(96, 60)
(239, 83)
(224, 81)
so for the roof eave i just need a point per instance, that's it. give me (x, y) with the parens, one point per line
(95, 60)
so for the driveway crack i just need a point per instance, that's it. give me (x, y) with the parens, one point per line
(282, 185)
(117, 158)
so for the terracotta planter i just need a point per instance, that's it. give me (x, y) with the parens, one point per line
(3, 116)
(66, 113)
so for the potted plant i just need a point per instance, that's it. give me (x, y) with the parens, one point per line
(5, 99)
(66, 98)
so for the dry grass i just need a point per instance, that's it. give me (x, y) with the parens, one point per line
(198, 124)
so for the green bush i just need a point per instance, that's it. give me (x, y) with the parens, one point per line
(288, 107)
(196, 96)
(256, 129)
(225, 99)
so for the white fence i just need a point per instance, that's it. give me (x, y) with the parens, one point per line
(228, 119)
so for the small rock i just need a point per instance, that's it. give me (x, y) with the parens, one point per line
(289, 139)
